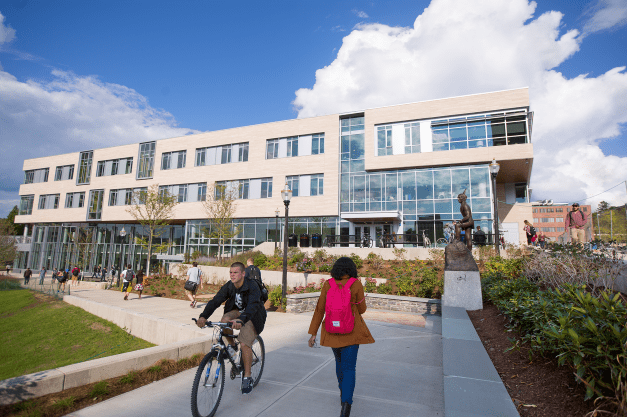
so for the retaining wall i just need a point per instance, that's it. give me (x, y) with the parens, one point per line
(301, 303)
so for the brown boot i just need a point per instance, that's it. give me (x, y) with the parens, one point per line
(346, 410)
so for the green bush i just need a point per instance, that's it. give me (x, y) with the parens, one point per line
(508, 267)
(319, 256)
(275, 296)
(295, 256)
(260, 260)
(371, 285)
(384, 288)
(129, 378)
(374, 260)
(358, 261)
(584, 332)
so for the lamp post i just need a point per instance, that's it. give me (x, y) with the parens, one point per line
(494, 170)
(276, 230)
(286, 195)
(122, 255)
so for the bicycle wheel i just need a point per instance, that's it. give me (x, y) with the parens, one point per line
(259, 360)
(208, 386)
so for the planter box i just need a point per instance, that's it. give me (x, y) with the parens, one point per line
(301, 303)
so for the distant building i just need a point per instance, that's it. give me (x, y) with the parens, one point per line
(549, 217)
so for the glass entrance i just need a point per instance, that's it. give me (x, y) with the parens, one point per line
(372, 233)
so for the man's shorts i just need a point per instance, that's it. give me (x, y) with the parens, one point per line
(247, 333)
(126, 286)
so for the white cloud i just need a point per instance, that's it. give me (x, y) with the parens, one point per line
(6, 33)
(459, 47)
(606, 14)
(67, 114)
(361, 14)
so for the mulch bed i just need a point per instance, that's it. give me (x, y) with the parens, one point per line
(64, 402)
(539, 388)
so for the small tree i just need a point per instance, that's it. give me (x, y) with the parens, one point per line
(153, 209)
(220, 207)
(8, 247)
(19, 228)
(603, 206)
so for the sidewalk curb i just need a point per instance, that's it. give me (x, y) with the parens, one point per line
(472, 386)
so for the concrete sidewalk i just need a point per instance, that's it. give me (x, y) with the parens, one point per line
(401, 374)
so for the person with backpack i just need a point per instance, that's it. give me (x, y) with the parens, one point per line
(254, 273)
(62, 278)
(75, 272)
(194, 280)
(530, 231)
(342, 302)
(575, 223)
(127, 278)
(243, 308)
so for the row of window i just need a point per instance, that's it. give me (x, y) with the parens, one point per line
(295, 146)
(551, 210)
(224, 154)
(114, 167)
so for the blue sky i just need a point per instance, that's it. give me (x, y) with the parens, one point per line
(161, 69)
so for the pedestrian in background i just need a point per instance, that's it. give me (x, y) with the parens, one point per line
(127, 280)
(42, 275)
(194, 275)
(140, 282)
(27, 275)
(575, 223)
(75, 273)
(345, 346)
(542, 240)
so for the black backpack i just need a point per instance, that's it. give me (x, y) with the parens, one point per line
(255, 275)
(532, 231)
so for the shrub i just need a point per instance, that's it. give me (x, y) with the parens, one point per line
(65, 403)
(319, 256)
(184, 362)
(399, 253)
(358, 261)
(275, 296)
(384, 288)
(294, 256)
(376, 261)
(100, 389)
(260, 260)
(585, 332)
(371, 285)
(507, 267)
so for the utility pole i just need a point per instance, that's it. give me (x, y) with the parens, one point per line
(611, 224)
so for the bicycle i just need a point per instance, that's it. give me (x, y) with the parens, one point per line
(210, 376)
(426, 242)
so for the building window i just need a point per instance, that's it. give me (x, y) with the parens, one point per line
(63, 173)
(244, 186)
(292, 146)
(94, 211)
(266, 188)
(242, 152)
(48, 202)
(202, 192)
(146, 160)
(560, 229)
(272, 148)
(226, 154)
(293, 181)
(559, 210)
(173, 160)
(479, 131)
(34, 176)
(384, 140)
(114, 167)
(317, 144)
(84, 167)
(113, 197)
(317, 184)
(182, 194)
(201, 157)
(412, 137)
(535, 220)
(74, 200)
(26, 204)
(521, 193)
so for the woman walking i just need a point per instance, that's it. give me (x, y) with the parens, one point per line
(345, 345)
(140, 282)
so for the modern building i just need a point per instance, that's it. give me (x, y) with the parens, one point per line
(390, 170)
(549, 218)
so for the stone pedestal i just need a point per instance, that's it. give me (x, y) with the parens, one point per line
(462, 282)
(462, 289)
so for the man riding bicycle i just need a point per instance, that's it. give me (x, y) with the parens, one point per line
(244, 310)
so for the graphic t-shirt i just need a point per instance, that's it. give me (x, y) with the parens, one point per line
(238, 302)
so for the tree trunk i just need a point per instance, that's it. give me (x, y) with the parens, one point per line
(149, 254)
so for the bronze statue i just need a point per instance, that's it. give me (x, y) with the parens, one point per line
(466, 223)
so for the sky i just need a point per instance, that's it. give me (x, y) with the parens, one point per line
(77, 75)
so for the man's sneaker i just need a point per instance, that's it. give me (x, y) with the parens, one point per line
(247, 385)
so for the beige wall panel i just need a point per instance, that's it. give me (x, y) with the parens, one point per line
(514, 213)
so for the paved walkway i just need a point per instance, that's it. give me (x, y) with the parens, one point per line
(400, 375)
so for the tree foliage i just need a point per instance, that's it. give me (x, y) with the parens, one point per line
(220, 208)
(153, 209)
(84, 244)
(19, 228)
(8, 247)
(612, 222)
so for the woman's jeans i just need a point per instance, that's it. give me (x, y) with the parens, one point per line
(345, 362)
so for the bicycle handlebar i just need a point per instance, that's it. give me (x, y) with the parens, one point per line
(216, 323)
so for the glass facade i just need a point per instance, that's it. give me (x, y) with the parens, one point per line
(26, 204)
(480, 131)
(95, 205)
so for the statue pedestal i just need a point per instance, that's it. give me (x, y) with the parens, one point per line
(462, 289)
(462, 282)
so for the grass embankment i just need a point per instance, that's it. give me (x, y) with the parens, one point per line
(40, 333)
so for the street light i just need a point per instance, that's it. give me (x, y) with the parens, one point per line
(276, 230)
(494, 170)
(286, 195)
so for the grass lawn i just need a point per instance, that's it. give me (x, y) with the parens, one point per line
(40, 332)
